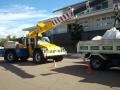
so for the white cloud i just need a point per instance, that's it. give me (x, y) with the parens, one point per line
(14, 31)
(17, 12)
(3, 33)
(18, 17)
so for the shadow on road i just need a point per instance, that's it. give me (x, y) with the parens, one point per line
(73, 56)
(109, 78)
(27, 63)
(30, 63)
(12, 68)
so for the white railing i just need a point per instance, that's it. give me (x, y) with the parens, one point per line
(101, 25)
(94, 12)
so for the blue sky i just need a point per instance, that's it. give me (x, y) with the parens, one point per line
(18, 14)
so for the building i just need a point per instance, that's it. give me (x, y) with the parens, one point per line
(91, 22)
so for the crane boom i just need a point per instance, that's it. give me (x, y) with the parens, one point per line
(50, 25)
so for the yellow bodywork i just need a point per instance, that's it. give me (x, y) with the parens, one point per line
(47, 45)
(51, 49)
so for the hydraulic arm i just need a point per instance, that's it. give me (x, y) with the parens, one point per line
(44, 27)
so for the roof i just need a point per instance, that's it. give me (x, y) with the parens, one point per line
(34, 27)
(30, 28)
(72, 6)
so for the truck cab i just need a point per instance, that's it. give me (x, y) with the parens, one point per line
(41, 49)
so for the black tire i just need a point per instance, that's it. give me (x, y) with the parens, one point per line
(97, 63)
(58, 59)
(38, 57)
(10, 56)
(23, 59)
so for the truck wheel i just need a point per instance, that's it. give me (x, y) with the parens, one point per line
(96, 64)
(59, 58)
(38, 57)
(23, 59)
(10, 56)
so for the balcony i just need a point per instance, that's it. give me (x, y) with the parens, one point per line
(101, 25)
(93, 13)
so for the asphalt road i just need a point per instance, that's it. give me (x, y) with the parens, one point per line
(70, 74)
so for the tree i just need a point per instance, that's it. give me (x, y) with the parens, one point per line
(14, 38)
(2, 41)
(8, 37)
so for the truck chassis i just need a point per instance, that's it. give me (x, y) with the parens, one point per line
(102, 53)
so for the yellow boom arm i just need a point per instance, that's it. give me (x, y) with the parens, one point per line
(41, 28)
(44, 27)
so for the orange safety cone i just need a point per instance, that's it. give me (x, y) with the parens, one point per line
(89, 70)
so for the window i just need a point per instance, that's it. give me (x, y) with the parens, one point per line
(109, 23)
(85, 24)
(60, 29)
(98, 7)
(112, 17)
(49, 33)
(98, 19)
(116, 1)
(102, 5)
(105, 5)
(104, 18)
(108, 18)
(73, 27)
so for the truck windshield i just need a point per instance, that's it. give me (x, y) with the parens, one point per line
(44, 39)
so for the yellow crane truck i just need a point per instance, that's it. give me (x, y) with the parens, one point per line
(38, 47)
(34, 45)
